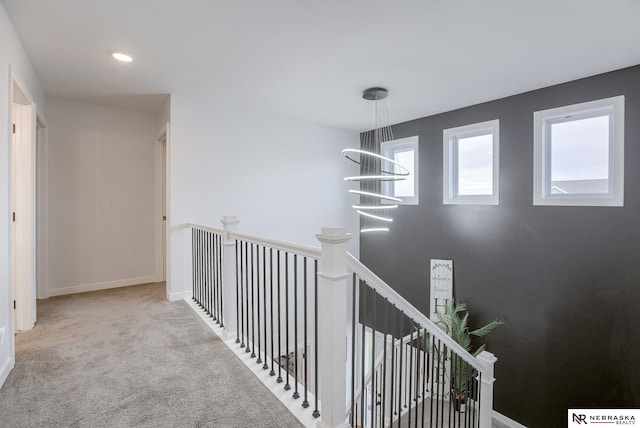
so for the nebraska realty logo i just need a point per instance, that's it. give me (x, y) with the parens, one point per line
(580, 417)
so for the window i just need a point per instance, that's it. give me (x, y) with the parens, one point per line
(471, 164)
(405, 152)
(579, 154)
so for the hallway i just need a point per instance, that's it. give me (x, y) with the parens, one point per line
(126, 357)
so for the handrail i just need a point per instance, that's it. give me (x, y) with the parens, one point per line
(393, 297)
(206, 228)
(300, 249)
(303, 250)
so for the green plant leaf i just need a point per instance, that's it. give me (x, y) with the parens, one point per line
(483, 331)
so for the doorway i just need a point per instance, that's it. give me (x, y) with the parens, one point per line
(23, 205)
(162, 204)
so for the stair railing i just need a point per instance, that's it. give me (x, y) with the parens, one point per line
(427, 379)
(362, 355)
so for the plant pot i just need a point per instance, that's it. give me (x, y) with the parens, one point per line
(459, 400)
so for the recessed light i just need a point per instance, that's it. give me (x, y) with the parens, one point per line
(122, 56)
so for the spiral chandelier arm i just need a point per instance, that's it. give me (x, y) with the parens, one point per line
(375, 168)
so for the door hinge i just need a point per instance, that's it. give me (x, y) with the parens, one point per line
(14, 128)
(14, 216)
(14, 304)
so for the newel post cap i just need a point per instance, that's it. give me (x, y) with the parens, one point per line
(333, 235)
(230, 220)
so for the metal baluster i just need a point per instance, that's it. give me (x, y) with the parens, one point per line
(452, 381)
(416, 350)
(279, 380)
(205, 272)
(439, 383)
(197, 275)
(442, 383)
(363, 319)
(402, 321)
(356, 415)
(287, 387)
(193, 264)
(214, 297)
(238, 299)
(272, 372)
(206, 261)
(316, 411)
(264, 304)
(219, 259)
(217, 301)
(425, 370)
(253, 308)
(433, 392)
(258, 360)
(476, 413)
(384, 361)
(471, 388)
(393, 359)
(240, 281)
(373, 358)
(409, 368)
(305, 403)
(209, 288)
(200, 269)
(247, 280)
(296, 394)
(374, 401)
(353, 352)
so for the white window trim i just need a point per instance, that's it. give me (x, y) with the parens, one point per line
(387, 146)
(450, 138)
(541, 173)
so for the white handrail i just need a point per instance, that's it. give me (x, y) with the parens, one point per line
(302, 250)
(206, 228)
(393, 297)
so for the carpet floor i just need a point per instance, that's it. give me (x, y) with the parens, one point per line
(126, 357)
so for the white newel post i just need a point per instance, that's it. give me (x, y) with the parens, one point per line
(229, 224)
(486, 389)
(332, 320)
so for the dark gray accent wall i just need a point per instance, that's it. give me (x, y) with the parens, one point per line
(565, 279)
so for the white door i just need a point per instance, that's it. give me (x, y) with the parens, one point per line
(23, 191)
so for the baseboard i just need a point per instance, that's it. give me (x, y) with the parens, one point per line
(5, 369)
(101, 285)
(499, 417)
(180, 295)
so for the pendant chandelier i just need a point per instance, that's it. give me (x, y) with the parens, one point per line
(376, 170)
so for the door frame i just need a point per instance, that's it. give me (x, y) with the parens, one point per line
(42, 208)
(162, 151)
(22, 191)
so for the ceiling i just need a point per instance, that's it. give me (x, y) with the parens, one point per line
(311, 59)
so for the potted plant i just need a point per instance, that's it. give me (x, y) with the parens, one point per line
(454, 322)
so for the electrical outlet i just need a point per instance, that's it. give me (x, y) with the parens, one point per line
(104, 206)
(2, 331)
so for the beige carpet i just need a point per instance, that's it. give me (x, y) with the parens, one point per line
(128, 358)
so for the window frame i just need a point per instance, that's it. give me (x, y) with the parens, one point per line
(387, 148)
(450, 188)
(542, 121)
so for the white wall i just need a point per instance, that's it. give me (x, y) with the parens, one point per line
(164, 115)
(11, 55)
(282, 178)
(101, 197)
